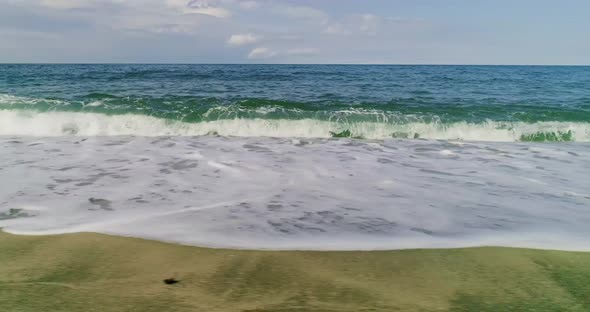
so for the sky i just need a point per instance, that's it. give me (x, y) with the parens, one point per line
(289, 31)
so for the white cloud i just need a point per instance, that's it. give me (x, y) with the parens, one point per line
(360, 24)
(68, 4)
(369, 23)
(194, 31)
(212, 11)
(261, 53)
(172, 29)
(205, 7)
(242, 39)
(302, 51)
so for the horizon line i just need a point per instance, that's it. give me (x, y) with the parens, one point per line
(288, 64)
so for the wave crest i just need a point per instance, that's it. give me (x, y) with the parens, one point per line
(33, 123)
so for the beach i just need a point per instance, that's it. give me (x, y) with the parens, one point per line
(137, 187)
(94, 272)
(294, 156)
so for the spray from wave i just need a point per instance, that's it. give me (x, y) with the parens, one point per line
(33, 123)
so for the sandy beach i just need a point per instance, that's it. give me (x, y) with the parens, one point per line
(95, 272)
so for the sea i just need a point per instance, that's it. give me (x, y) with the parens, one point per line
(308, 157)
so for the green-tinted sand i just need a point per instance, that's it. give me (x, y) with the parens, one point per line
(92, 272)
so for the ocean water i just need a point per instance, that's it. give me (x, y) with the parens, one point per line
(299, 156)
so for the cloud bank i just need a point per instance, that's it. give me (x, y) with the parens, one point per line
(284, 31)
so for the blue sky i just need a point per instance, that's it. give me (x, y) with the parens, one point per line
(289, 31)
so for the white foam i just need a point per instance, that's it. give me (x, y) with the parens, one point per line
(31, 123)
(288, 194)
(94, 104)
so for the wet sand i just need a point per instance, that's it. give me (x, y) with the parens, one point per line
(96, 272)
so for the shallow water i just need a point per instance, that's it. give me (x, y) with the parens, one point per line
(287, 193)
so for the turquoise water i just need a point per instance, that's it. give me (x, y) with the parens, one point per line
(480, 103)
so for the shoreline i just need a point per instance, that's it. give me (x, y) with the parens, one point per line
(86, 271)
(337, 195)
(289, 249)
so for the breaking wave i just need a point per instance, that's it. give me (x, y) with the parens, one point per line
(23, 122)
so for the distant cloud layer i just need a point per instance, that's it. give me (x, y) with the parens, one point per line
(242, 39)
(289, 31)
(261, 53)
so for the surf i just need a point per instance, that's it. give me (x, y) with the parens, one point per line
(18, 122)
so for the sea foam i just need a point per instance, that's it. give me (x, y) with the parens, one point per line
(56, 123)
(317, 194)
